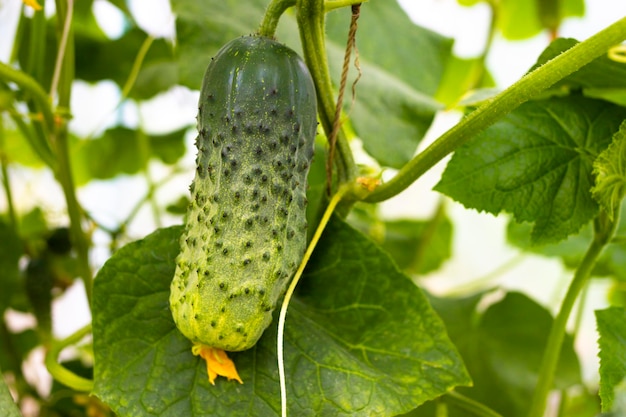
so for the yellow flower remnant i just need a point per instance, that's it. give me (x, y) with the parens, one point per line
(217, 362)
(33, 4)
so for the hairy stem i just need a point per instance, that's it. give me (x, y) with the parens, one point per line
(272, 15)
(487, 114)
(311, 18)
(603, 233)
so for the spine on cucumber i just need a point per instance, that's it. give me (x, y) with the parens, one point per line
(246, 225)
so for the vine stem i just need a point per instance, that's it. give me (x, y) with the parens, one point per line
(603, 232)
(310, 16)
(524, 89)
(61, 145)
(61, 373)
(272, 15)
(290, 290)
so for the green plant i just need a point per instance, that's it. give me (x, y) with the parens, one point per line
(356, 335)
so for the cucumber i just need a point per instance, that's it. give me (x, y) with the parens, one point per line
(246, 227)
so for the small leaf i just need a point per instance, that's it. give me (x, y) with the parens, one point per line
(537, 164)
(612, 329)
(609, 169)
(360, 339)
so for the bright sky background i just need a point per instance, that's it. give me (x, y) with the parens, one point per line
(479, 239)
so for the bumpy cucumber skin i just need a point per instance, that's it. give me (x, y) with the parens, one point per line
(246, 228)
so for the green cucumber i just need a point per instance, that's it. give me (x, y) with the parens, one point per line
(246, 226)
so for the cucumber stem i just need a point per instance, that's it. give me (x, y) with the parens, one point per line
(272, 15)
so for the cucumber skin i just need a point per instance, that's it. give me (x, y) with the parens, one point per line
(246, 224)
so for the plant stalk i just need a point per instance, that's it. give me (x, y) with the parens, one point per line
(272, 15)
(524, 89)
(311, 18)
(62, 374)
(603, 233)
(65, 70)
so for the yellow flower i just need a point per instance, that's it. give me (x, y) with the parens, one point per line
(217, 363)
(33, 4)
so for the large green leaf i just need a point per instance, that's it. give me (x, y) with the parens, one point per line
(612, 328)
(537, 164)
(502, 347)
(401, 64)
(360, 339)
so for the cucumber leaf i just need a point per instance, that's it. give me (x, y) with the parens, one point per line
(612, 328)
(536, 163)
(360, 339)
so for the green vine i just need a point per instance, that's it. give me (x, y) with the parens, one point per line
(604, 229)
(487, 114)
(65, 70)
(62, 374)
(272, 15)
